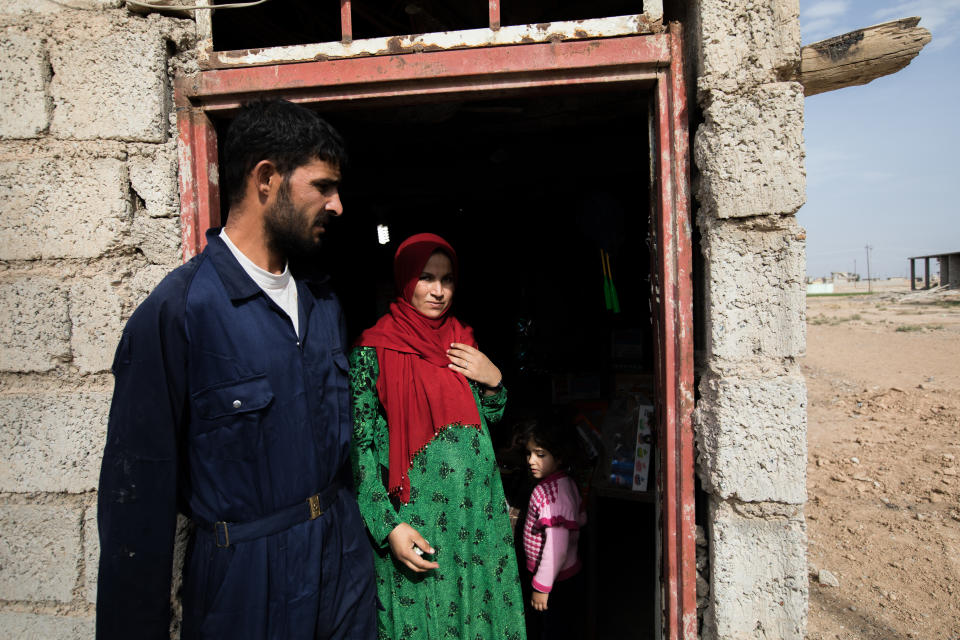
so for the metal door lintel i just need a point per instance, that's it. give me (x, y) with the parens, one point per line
(632, 58)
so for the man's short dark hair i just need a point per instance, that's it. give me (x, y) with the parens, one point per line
(287, 134)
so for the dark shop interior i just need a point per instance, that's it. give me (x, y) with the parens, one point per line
(534, 193)
(545, 196)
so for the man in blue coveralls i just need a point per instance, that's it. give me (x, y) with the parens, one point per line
(231, 405)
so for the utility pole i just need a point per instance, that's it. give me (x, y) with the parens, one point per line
(869, 286)
(855, 278)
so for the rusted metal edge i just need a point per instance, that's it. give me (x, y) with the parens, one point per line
(635, 24)
(667, 365)
(630, 59)
(493, 11)
(674, 350)
(197, 179)
(683, 338)
(404, 92)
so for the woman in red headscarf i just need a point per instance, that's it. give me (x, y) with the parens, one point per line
(426, 478)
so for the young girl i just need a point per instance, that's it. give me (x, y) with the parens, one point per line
(552, 529)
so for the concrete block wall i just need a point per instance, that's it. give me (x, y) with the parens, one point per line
(90, 224)
(952, 268)
(750, 419)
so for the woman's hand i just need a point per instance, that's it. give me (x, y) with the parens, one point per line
(404, 540)
(471, 362)
(539, 601)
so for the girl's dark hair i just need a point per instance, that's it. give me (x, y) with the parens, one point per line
(285, 133)
(555, 430)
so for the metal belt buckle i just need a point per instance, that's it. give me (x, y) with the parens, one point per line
(226, 534)
(315, 510)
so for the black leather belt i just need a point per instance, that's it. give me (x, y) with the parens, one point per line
(227, 533)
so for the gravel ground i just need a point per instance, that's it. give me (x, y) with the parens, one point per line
(883, 476)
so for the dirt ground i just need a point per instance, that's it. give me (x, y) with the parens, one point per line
(883, 476)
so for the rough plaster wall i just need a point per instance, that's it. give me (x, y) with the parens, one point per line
(750, 419)
(758, 549)
(755, 455)
(24, 111)
(750, 151)
(109, 80)
(746, 43)
(89, 223)
(954, 267)
(754, 275)
(43, 220)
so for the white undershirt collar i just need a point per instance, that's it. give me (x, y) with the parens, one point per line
(281, 288)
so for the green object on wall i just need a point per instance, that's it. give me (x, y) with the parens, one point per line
(610, 297)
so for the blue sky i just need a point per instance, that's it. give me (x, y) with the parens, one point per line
(883, 159)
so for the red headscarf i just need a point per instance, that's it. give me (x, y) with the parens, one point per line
(420, 394)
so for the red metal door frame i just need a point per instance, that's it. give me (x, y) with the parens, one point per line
(651, 61)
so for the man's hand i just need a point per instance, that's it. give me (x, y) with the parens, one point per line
(404, 540)
(539, 601)
(472, 363)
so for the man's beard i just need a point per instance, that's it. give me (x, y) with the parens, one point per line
(288, 231)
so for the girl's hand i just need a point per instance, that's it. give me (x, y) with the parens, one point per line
(404, 540)
(472, 363)
(539, 601)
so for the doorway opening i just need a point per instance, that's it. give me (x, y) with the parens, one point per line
(530, 190)
(540, 193)
(511, 152)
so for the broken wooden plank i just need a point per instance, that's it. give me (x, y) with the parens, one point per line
(860, 56)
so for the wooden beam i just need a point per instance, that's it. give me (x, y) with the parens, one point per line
(860, 56)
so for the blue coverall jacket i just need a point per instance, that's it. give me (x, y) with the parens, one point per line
(220, 411)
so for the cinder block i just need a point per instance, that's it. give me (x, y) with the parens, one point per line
(154, 180)
(109, 80)
(62, 208)
(752, 438)
(749, 150)
(745, 43)
(52, 442)
(91, 554)
(758, 572)
(95, 314)
(31, 626)
(158, 239)
(34, 325)
(755, 296)
(24, 109)
(144, 281)
(39, 552)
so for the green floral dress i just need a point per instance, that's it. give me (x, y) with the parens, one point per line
(457, 504)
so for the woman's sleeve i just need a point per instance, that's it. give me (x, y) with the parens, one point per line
(491, 407)
(365, 454)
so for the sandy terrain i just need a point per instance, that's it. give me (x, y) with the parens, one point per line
(883, 517)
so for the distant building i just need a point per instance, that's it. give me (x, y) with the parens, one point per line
(842, 276)
(949, 264)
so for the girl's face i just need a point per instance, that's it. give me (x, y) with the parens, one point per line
(541, 462)
(434, 291)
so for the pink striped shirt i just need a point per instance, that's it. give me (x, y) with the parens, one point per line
(552, 530)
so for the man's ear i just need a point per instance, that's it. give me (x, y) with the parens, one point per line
(264, 176)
